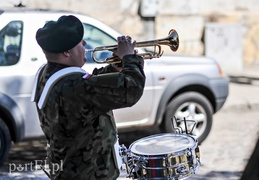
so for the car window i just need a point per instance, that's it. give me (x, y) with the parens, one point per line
(95, 37)
(10, 43)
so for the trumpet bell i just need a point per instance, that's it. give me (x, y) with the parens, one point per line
(173, 39)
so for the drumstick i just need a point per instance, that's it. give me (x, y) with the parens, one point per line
(186, 131)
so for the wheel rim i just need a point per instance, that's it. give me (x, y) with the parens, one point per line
(192, 111)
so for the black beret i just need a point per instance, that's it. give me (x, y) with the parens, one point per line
(61, 35)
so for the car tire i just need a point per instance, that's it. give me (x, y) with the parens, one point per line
(5, 141)
(189, 106)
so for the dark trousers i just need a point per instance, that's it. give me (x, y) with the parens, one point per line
(251, 171)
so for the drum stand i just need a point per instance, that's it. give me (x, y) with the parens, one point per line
(179, 130)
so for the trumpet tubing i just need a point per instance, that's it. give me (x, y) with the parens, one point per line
(172, 40)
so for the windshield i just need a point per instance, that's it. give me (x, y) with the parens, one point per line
(95, 37)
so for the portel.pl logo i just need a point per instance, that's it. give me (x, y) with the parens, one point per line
(36, 165)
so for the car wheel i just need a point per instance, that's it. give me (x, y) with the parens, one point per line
(5, 141)
(190, 106)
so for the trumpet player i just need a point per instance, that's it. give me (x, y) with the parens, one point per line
(75, 107)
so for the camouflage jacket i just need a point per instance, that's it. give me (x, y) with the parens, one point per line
(77, 118)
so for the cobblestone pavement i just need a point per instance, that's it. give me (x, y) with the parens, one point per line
(224, 153)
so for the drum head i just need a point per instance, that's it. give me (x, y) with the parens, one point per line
(162, 144)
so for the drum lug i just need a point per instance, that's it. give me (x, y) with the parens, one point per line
(123, 152)
(181, 169)
(194, 159)
(189, 154)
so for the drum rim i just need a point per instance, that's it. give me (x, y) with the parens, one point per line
(177, 153)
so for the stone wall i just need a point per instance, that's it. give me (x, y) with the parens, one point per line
(188, 17)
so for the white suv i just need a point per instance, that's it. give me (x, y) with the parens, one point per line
(176, 86)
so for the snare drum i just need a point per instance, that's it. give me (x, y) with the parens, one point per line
(165, 156)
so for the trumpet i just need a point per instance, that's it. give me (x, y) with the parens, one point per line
(172, 40)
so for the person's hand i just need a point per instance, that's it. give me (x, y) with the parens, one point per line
(125, 46)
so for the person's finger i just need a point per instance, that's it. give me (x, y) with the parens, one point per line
(128, 38)
(123, 38)
(134, 43)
